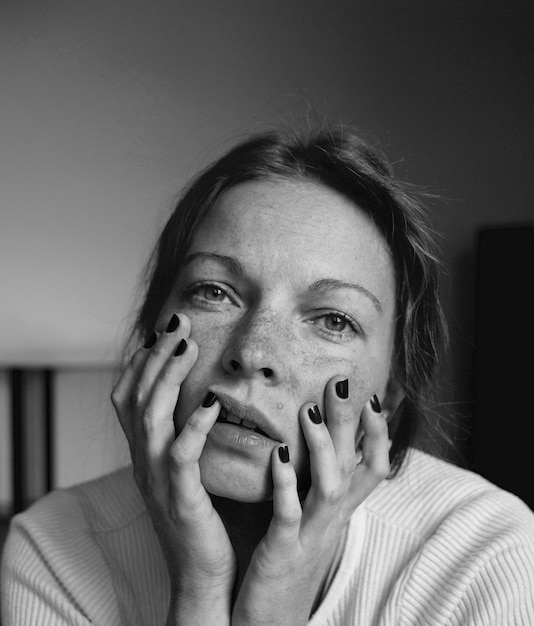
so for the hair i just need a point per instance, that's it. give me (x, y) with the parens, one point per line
(338, 158)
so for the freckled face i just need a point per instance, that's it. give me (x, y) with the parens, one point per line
(286, 284)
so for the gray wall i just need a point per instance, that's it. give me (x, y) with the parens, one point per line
(108, 107)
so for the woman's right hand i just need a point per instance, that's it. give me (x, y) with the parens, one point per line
(195, 544)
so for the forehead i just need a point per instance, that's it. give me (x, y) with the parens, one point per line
(300, 227)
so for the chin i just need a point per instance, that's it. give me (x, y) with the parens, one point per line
(252, 486)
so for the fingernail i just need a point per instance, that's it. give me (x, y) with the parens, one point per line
(181, 348)
(315, 415)
(173, 324)
(151, 340)
(342, 389)
(209, 400)
(375, 404)
(283, 453)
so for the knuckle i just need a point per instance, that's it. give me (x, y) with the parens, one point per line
(332, 496)
(381, 427)
(178, 455)
(344, 416)
(157, 349)
(194, 426)
(380, 469)
(286, 482)
(147, 422)
(116, 400)
(384, 470)
(290, 519)
(168, 377)
(348, 468)
(138, 395)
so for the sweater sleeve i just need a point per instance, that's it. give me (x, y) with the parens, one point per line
(478, 568)
(502, 592)
(42, 581)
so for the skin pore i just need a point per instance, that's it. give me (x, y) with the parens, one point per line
(286, 285)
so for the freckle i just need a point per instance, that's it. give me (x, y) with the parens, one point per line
(280, 406)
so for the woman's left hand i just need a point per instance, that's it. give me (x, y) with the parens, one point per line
(289, 565)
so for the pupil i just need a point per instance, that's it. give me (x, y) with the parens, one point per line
(335, 322)
(214, 293)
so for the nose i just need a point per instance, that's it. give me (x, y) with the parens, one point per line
(257, 349)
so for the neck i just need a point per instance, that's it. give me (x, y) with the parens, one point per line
(246, 524)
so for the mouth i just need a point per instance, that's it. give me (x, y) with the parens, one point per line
(225, 417)
(245, 416)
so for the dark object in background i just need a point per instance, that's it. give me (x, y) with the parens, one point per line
(503, 440)
(32, 416)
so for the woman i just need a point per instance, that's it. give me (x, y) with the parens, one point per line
(291, 330)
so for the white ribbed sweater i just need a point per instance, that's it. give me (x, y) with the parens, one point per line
(435, 545)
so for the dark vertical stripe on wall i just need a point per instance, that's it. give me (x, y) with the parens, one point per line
(49, 401)
(18, 436)
(32, 424)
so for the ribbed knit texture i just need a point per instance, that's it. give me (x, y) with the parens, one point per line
(436, 545)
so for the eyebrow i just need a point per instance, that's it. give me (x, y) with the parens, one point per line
(321, 286)
(232, 264)
(324, 285)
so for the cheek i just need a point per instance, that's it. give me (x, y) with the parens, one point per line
(367, 375)
(206, 370)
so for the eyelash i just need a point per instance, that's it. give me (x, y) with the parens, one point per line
(342, 335)
(355, 330)
(192, 292)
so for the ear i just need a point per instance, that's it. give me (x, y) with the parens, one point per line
(393, 397)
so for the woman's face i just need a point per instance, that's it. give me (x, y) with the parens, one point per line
(286, 285)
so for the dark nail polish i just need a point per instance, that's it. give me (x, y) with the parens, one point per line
(209, 400)
(283, 453)
(375, 404)
(182, 346)
(342, 389)
(173, 324)
(151, 340)
(315, 415)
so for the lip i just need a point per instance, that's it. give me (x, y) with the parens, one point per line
(250, 413)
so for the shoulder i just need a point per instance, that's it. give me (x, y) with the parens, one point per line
(68, 525)
(467, 546)
(55, 559)
(105, 503)
(429, 492)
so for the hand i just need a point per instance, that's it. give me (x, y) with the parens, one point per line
(289, 565)
(197, 549)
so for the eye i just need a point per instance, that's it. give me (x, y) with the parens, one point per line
(335, 322)
(214, 293)
(208, 293)
(336, 325)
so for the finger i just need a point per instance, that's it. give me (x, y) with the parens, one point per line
(287, 511)
(166, 344)
(328, 486)
(374, 466)
(375, 444)
(134, 385)
(156, 423)
(163, 349)
(121, 394)
(184, 471)
(343, 423)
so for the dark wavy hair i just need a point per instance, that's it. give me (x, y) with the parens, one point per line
(339, 159)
